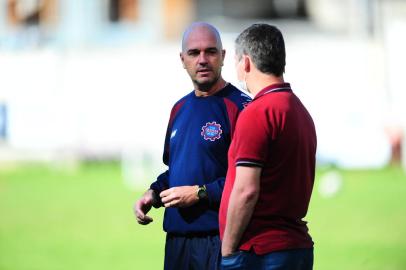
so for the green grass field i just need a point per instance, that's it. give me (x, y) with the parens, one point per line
(55, 219)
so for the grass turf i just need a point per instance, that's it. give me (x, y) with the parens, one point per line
(53, 219)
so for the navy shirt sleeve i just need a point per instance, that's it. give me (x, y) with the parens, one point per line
(162, 181)
(215, 190)
(160, 185)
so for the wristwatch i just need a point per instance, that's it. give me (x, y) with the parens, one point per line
(201, 192)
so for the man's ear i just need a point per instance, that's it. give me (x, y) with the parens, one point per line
(223, 55)
(182, 59)
(247, 63)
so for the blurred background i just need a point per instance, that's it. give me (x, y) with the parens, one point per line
(86, 88)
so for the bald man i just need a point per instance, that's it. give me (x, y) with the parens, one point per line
(198, 136)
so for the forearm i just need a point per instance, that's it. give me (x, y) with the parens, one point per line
(243, 198)
(240, 209)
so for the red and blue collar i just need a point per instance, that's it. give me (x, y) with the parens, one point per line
(277, 87)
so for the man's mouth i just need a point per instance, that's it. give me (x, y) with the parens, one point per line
(203, 71)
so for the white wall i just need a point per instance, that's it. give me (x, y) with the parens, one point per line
(107, 100)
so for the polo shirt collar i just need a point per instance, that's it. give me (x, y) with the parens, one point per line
(273, 88)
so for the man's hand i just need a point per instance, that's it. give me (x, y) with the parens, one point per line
(142, 207)
(226, 251)
(182, 196)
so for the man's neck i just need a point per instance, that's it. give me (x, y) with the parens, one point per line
(261, 80)
(220, 84)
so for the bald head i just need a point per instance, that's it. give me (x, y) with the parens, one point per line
(198, 28)
(203, 56)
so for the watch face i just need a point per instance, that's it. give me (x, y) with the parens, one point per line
(202, 193)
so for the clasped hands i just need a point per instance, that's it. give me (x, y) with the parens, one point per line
(182, 196)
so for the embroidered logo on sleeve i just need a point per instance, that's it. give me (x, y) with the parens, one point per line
(211, 131)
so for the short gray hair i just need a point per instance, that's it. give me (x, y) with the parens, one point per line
(265, 45)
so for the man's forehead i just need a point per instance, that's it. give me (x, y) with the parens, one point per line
(201, 44)
(201, 38)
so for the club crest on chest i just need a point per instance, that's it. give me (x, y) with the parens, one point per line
(211, 131)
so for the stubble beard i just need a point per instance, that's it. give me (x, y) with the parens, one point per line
(206, 86)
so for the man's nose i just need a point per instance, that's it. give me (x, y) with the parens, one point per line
(202, 58)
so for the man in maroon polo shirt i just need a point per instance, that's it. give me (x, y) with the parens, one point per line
(271, 164)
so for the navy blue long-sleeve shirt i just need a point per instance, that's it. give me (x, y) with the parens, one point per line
(197, 140)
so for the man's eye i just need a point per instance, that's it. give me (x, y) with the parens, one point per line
(193, 53)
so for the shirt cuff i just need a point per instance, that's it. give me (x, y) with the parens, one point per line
(248, 162)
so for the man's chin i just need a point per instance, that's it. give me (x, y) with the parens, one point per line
(205, 85)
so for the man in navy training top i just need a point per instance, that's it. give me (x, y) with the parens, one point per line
(198, 136)
(271, 164)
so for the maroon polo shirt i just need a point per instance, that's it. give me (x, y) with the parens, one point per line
(275, 132)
